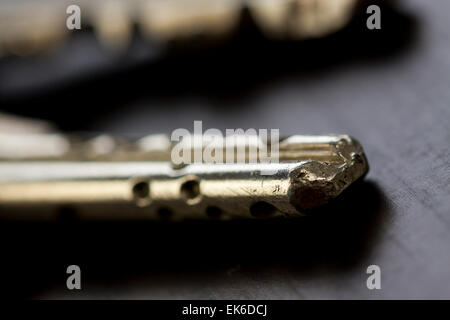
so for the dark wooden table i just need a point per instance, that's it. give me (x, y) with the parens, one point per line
(390, 89)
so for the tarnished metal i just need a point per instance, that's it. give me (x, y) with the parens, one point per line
(96, 180)
(30, 26)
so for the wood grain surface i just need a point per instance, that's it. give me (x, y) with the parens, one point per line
(390, 89)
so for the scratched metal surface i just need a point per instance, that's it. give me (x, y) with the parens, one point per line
(390, 90)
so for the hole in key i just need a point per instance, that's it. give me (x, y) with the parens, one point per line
(164, 212)
(141, 193)
(213, 212)
(190, 189)
(262, 209)
(141, 190)
(67, 213)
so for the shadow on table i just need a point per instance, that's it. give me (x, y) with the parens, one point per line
(337, 238)
(224, 73)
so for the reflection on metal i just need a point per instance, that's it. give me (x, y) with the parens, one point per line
(110, 178)
(29, 26)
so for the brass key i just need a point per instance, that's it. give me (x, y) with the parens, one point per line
(27, 27)
(107, 178)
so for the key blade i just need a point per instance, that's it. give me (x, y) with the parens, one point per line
(312, 170)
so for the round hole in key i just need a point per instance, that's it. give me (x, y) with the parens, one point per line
(164, 212)
(67, 213)
(213, 212)
(141, 190)
(190, 189)
(262, 209)
(141, 193)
